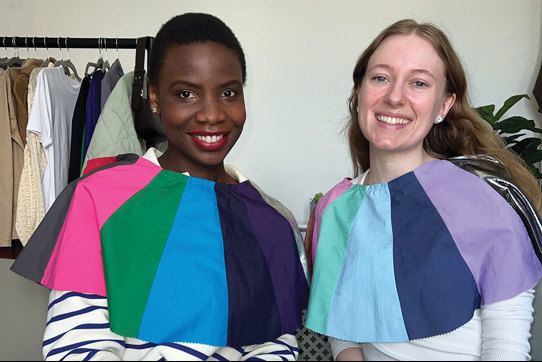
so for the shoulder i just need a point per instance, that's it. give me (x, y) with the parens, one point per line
(102, 163)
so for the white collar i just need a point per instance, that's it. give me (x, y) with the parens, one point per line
(152, 155)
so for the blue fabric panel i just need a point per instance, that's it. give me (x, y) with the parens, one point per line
(436, 288)
(93, 108)
(247, 273)
(192, 262)
(367, 277)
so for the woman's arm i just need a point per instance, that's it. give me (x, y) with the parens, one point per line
(77, 328)
(283, 348)
(506, 329)
(346, 351)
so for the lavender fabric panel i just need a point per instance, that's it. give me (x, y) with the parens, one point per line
(269, 226)
(487, 231)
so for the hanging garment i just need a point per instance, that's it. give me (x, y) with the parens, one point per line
(20, 90)
(212, 263)
(50, 118)
(78, 127)
(30, 203)
(109, 81)
(115, 132)
(418, 254)
(93, 108)
(12, 150)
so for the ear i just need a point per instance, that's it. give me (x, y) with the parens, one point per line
(446, 105)
(153, 97)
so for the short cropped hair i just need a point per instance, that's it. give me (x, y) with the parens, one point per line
(191, 28)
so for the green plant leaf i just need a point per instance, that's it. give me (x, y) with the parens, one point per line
(535, 172)
(509, 103)
(510, 140)
(317, 197)
(486, 112)
(515, 124)
(526, 146)
(533, 157)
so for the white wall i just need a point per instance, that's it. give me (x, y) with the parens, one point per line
(300, 55)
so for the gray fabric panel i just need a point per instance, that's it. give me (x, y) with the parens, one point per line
(33, 259)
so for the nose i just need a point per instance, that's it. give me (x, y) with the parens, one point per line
(395, 95)
(210, 112)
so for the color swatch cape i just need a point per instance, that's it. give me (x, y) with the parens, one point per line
(180, 259)
(415, 257)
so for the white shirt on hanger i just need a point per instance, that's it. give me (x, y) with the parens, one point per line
(50, 118)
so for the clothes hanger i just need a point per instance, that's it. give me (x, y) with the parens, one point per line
(49, 59)
(34, 45)
(99, 63)
(106, 66)
(14, 61)
(2, 60)
(61, 59)
(68, 64)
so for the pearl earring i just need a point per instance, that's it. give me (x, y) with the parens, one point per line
(438, 119)
(154, 110)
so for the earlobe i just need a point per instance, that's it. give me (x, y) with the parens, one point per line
(153, 99)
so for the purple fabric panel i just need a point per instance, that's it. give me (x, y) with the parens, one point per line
(271, 228)
(487, 231)
(321, 206)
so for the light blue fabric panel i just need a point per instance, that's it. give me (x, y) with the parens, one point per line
(366, 294)
(192, 268)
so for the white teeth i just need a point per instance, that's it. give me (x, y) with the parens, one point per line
(210, 139)
(392, 120)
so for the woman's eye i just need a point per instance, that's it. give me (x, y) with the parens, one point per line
(379, 78)
(185, 94)
(420, 84)
(229, 93)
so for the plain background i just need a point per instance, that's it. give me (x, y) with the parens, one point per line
(300, 56)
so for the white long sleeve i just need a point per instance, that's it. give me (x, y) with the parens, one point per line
(499, 331)
(77, 328)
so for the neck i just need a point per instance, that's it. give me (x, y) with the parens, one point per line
(387, 166)
(216, 173)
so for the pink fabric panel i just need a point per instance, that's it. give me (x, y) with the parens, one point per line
(322, 204)
(76, 262)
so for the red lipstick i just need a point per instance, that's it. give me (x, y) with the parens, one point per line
(209, 146)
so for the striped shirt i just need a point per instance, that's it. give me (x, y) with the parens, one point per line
(77, 328)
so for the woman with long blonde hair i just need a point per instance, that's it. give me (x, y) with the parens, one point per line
(420, 256)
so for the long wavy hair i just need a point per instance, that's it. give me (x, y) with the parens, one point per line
(463, 132)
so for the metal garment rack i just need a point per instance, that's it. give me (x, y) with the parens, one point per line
(71, 43)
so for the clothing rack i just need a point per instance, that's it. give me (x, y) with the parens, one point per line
(70, 43)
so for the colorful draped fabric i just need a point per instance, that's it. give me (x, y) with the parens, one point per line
(180, 259)
(413, 258)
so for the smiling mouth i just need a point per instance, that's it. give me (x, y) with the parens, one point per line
(208, 142)
(209, 139)
(392, 120)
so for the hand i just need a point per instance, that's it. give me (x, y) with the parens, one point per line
(351, 354)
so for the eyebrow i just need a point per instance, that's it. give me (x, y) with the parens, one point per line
(197, 86)
(388, 68)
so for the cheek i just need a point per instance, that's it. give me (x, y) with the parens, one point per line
(238, 114)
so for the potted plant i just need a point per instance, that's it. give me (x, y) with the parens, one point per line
(512, 131)
(314, 200)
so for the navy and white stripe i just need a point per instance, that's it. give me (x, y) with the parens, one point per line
(77, 328)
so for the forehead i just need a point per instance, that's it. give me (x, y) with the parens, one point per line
(199, 61)
(408, 52)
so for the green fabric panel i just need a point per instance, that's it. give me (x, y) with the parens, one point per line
(133, 239)
(332, 242)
